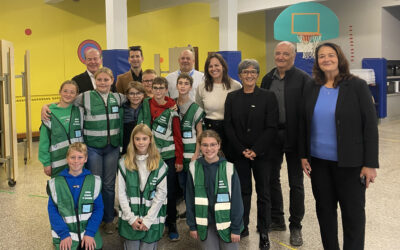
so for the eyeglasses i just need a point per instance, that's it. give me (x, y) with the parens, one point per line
(211, 145)
(249, 72)
(135, 93)
(147, 81)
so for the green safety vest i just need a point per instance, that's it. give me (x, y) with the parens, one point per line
(140, 203)
(189, 135)
(75, 218)
(161, 128)
(102, 124)
(223, 202)
(60, 139)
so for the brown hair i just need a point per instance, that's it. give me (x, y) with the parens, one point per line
(135, 85)
(209, 133)
(104, 70)
(185, 76)
(72, 82)
(226, 80)
(149, 71)
(154, 156)
(343, 66)
(159, 80)
(78, 147)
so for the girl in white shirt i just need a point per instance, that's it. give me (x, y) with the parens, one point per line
(142, 191)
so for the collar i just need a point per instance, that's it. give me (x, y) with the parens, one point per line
(190, 73)
(90, 74)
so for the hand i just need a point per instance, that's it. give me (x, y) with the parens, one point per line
(178, 167)
(143, 227)
(174, 108)
(136, 225)
(194, 235)
(88, 242)
(47, 170)
(370, 175)
(45, 113)
(249, 154)
(195, 156)
(235, 237)
(66, 243)
(306, 167)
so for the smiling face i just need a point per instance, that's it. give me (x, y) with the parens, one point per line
(209, 147)
(103, 83)
(93, 60)
(135, 59)
(142, 143)
(135, 97)
(215, 70)
(147, 81)
(159, 92)
(76, 160)
(284, 56)
(328, 60)
(249, 77)
(183, 86)
(186, 61)
(68, 94)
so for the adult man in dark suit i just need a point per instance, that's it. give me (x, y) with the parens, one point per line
(135, 73)
(287, 82)
(93, 61)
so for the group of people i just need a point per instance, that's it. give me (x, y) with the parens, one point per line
(205, 136)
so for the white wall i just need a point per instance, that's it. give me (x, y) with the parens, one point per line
(391, 33)
(365, 16)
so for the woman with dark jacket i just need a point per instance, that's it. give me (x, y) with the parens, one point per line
(338, 145)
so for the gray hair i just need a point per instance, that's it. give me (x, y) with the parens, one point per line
(247, 63)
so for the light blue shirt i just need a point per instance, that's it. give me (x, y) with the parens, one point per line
(323, 127)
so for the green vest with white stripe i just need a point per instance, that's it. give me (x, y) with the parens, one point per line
(76, 220)
(161, 128)
(140, 203)
(193, 115)
(102, 123)
(222, 207)
(60, 139)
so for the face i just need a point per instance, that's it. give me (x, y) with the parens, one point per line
(93, 61)
(215, 69)
(328, 60)
(209, 148)
(284, 57)
(147, 81)
(159, 91)
(135, 97)
(135, 59)
(68, 93)
(249, 77)
(142, 143)
(183, 86)
(75, 161)
(103, 83)
(186, 61)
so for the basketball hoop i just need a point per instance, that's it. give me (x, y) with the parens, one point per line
(307, 44)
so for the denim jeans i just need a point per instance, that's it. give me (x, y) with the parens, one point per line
(104, 163)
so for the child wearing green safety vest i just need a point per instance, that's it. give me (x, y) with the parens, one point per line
(214, 207)
(191, 116)
(75, 204)
(142, 192)
(64, 127)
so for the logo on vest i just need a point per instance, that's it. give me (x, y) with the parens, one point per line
(87, 195)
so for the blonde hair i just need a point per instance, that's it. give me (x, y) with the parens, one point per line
(154, 156)
(78, 147)
(104, 70)
(72, 82)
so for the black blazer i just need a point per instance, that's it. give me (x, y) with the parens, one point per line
(356, 124)
(258, 132)
(84, 82)
(296, 81)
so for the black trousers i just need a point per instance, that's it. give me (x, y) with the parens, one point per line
(295, 176)
(218, 126)
(245, 168)
(332, 184)
(172, 186)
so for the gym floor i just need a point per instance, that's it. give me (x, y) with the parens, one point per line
(25, 225)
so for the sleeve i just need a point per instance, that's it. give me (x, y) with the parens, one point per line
(44, 145)
(96, 217)
(176, 130)
(199, 98)
(118, 85)
(370, 126)
(229, 128)
(56, 221)
(79, 100)
(270, 125)
(236, 205)
(127, 213)
(190, 216)
(158, 201)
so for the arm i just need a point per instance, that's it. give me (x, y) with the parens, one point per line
(56, 221)
(127, 214)
(199, 130)
(44, 154)
(190, 216)
(237, 209)
(270, 125)
(79, 100)
(228, 126)
(118, 85)
(176, 130)
(199, 98)
(96, 217)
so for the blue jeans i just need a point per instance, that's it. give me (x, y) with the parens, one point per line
(104, 163)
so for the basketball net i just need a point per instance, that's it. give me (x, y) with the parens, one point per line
(307, 45)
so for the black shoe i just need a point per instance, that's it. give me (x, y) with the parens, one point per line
(264, 242)
(277, 227)
(244, 233)
(296, 238)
